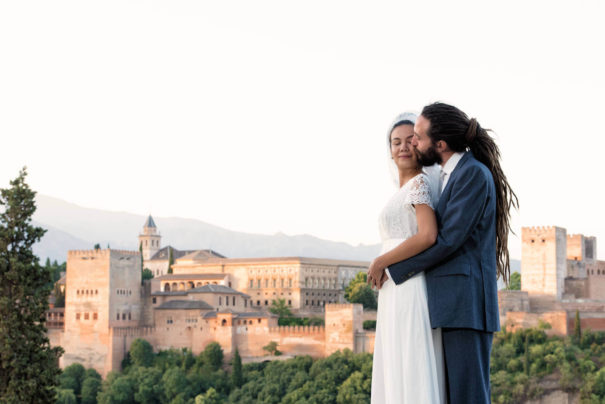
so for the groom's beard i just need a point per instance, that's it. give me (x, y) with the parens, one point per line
(429, 157)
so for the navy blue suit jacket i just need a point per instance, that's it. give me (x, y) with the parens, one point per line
(460, 267)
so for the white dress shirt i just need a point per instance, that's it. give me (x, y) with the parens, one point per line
(446, 170)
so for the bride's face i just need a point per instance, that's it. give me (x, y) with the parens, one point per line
(402, 152)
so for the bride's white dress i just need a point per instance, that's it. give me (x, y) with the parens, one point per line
(408, 359)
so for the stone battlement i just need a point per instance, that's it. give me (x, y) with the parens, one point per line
(132, 331)
(339, 305)
(538, 229)
(297, 329)
(100, 252)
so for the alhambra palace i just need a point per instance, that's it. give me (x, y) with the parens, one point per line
(209, 297)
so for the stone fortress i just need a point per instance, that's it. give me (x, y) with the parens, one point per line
(209, 297)
(559, 276)
(206, 298)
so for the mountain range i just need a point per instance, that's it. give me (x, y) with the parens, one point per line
(72, 227)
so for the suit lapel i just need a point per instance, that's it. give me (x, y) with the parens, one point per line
(445, 195)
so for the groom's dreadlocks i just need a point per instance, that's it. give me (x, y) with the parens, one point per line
(453, 126)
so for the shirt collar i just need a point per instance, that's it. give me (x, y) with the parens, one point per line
(452, 163)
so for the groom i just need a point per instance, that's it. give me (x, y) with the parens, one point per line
(470, 250)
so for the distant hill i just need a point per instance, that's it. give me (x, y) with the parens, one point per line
(72, 227)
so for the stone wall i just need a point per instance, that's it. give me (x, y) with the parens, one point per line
(342, 322)
(544, 260)
(557, 319)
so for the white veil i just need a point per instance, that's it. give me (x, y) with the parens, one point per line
(432, 172)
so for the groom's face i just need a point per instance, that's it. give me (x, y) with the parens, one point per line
(423, 144)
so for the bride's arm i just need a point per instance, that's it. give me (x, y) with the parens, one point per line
(422, 240)
(426, 236)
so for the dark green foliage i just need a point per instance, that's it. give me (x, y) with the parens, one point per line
(360, 278)
(363, 293)
(147, 274)
(28, 364)
(72, 378)
(59, 296)
(369, 325)
(65, 396)
(312, 321)
(520, 361)
(177, 376)
(141, 353)
(514, 282)
(280, 308)
(90, 388)
(97, 246)
(271, 348)
(213, 356)
(237, 377)
(577, 327)
(170, 260)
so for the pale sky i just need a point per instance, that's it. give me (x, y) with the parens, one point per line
(272, 116)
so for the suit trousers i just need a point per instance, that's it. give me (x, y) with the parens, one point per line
(467, 357)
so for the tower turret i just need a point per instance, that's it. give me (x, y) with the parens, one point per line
(149, 239)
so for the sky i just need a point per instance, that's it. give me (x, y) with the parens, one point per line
(271, 116)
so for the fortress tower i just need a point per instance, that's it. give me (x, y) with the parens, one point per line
(103, 292)
(149, 239)
(544, 260)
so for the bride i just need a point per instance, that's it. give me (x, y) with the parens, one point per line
(408, 361)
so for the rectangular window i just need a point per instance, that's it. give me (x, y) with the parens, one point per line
(154, 300)
(258, 283)
(282, 282)
(245, 303)
(95, 316)
(227, 300)
(274, 282)
(234, 300)
(86, 316)
(77, 316)
(251, 283)
(289, 283)
(266, 283)
(117, 316)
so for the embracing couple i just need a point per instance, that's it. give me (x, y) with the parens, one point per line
(444, 243)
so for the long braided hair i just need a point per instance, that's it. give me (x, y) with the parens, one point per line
(453, 126)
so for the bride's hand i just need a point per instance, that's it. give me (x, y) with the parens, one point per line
(376, 273)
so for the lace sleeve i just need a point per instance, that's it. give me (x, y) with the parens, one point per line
(420, 192)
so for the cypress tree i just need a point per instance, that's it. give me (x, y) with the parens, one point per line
(170, 259)
(141, 253)
(237, 377)
(28, 365)
(577, 328)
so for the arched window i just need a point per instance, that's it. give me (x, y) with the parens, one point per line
(190, 284)
(224, 322)
(182, 286)
(220, 300)
(166, 287)
(198, 284)
(174, 286)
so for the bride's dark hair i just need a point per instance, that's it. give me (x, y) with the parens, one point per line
(453, 126)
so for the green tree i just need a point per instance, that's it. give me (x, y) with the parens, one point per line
(141, 353)
(280, 308)
(170, 260)
(66, 396)
(72, 378)
(237, 377)
(212, 356)
(360, 278)
(363, 293)
(90, 388)
(97, 246)
(577, 328)
(59, 296)
(147, 274)
(209, 397)
(29, 371)
(515, 281)
(271, 348)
